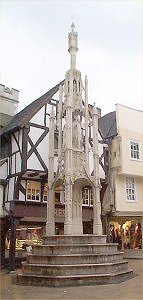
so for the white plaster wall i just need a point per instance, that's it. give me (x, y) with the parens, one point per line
(20, 139)
(130, 127)
(35, 133)
(21, 195)
(43, 149)
(18, 136)
(121, 203)
(3, 170)
(39, 117)
(129, 118)
(11, 189)
(131, 166)
(16, 167)
(14, 145)
(18, 162)
(13, 170)
(15, 148)
(33, 163)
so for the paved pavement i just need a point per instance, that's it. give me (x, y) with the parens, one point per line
(131, 289)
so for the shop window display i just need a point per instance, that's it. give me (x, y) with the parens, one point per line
(128, 235)
(25, 238)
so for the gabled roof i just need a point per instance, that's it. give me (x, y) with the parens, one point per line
(24, 116)
(107, 125)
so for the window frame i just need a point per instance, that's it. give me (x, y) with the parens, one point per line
(45, 193)
(130, 188)
(90, 198)
(35, 192)
(83, 191)
(138, 151)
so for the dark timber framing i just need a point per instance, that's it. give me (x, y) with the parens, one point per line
(24, 148)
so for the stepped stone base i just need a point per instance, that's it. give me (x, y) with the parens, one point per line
(74, 260)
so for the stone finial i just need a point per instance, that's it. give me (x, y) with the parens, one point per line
(72, 27)
(73, 46)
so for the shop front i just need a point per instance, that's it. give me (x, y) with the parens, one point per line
(27, 235)
(126, 231)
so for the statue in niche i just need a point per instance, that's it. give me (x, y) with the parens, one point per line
(77, 139)
(74, 86)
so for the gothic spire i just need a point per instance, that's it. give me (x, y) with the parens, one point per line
(73, 46)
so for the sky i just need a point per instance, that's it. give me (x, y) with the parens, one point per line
(34, 48)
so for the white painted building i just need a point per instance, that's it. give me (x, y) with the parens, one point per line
(123, 201)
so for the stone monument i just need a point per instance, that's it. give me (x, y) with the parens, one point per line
(74, 258)
(73, 150)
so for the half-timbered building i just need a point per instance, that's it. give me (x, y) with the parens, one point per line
(24, 171)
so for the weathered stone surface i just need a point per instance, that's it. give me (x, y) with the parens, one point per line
(67, 263)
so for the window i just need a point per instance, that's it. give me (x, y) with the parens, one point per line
(33, 191)
(91, 197)
(130, 189)
(45, 194)
(134, 150)
(87, 196)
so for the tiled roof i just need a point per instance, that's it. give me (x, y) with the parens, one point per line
(107, 125)
(23, 117)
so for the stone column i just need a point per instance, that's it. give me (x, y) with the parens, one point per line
(77, 209)
(68, 165)
(86, 124)
(68, 206)
(50, 225)
(60, 124)
(97, 224)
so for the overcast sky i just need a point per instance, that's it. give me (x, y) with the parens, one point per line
(34, 42)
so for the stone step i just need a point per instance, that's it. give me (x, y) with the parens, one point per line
(76, 269)
(75, 258)
(72, 239)
(59, 281)
(74, 249)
